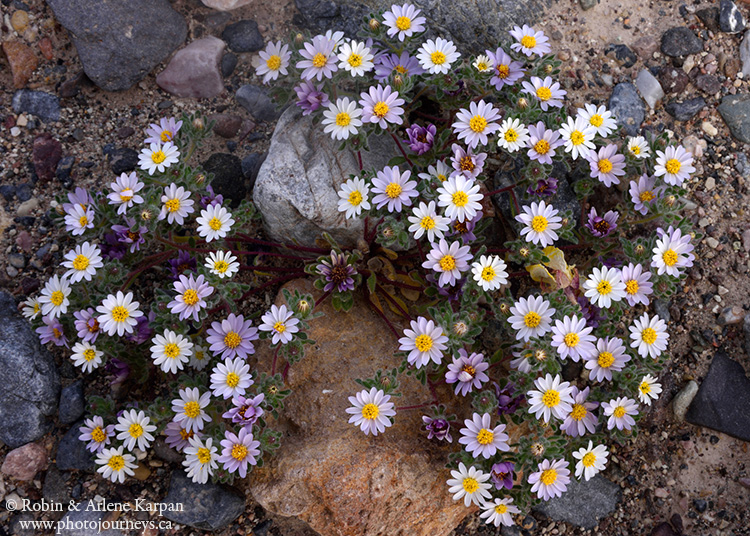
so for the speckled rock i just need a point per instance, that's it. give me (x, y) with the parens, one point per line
(25, 462)
(683, 111)
(585, 502)
(745, 54)
(680, 41)
(628, 107)
(39, 103)
(243, 36)
(225, 5)
(22, 61)
(735, 110)
(730, 17)
(45, 155)
(205, 506)
(194, 70)
(255, 100)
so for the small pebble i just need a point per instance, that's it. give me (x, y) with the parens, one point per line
(683, 399)
(20, 21)
(709, 129)
(15, 132)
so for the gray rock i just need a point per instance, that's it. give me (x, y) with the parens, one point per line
(43, 105)
(255, 100)
(588, 4)
(585, 502)
(119, 43)
(123, 160)
(297, 185)
(680, 41)
(708, 83)
(710, 17)
(72, 403)
(661, 308)
(250, 167)
(730, 18)
(745, 54)
(228, 63)
(723, 400)
(743, 167)
(55, 488)
(683, 399)
(72, 453)
(622, 54)
(649, 87)
(19, 525)
(84, 522)
(29, 379)
(628, 107)
(243, 36)
(735, 110)
(228, 179)
(683, 111)
(194, 71)
(205, 506)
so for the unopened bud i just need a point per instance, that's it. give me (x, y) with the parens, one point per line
(524, 252)
(639, 249)
(299, 39)
(565, 222)
(146, 215)
(460, 328)
(548, 68)
(540, 355)
(200, 178)
(671, 200)
(504, 308)
(374, 25)
(523, 103)
(398, 81)
(273, 390)
(388, 232)
(198, 123)
(537, 449)
(385, 382)
(303, 306)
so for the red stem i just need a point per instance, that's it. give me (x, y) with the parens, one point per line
(268, 253)
(394, 302)
(242, 237)
(367, 297)
(400, 148)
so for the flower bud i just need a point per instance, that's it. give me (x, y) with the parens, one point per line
(460, 328)
(523, 103)
(385, 381)
(540, 355)
(303, 306)
(146, 215)
(548, 68)
(639, 249)
(504, 308)
(565, 222)
(670, 200)
(524, 252)
(299, 39)
(388, 232)
(272, 390)
(398, 81)
(374, 25)
(198, 123)
(537, 449)
(200, 178)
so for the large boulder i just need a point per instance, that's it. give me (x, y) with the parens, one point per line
(119, 43)
(297, 185)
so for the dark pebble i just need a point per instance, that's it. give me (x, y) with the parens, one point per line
(228, 179)
(261, 529)
(163, 105)
(683, 111)
(709, 17)
(663, 529)
(713, 439)
(228, 64)
(680, 41)
(77, 134)
(622, 54)
(627, 106)
(23, 192)
(26, 221)
(730, 18)
(123, 160)
(700, 505)
(43, 105)
(243, 36)
(231, 146)
(672, 79)
(250, 167)
(125, 132)
(708, 83)
(8, 191)
(64, 171)
(46, 153)
(255, 100)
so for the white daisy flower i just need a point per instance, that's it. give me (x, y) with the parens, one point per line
(499, 512)
(448, 260)
(393, 189)
(222, 263)
(54, 298)
(425, 219)
(484, 64)
(675, 164)
(199, 357)
(599, 118)
(546, 91)
(552, 396)
(231, 378)
(460, 198)
(649, 336)
(125, 192)
(604, 286)
(541, 221)
(638, 147)
(118, 313)
(281, 323)
(591, 460)
(200, 459)
(403, 21)
(513, 135)
(531, 317)
(573, 338)
(189, 412)
(529, 41)
(440, 171)
(609, 357)
(371, 411)
(171, 351)
(476, 123)
(481, 439)
(158, 157)
(437, 56)
(214, 222)
(638, 285)
(470, 485)
(673, 251)
(620, 412)
(342, 119)
(272, 61)
(115, 464)
(176, 204)
(78, 219)
(335, 37)
(425, 342)
(82, 262)
(489, 272)
(382, 106)
(649, 389)
(356, 58)
(32, 308)
(319, 58)
(135, 430)
(354, 197)
(86, 356)
(578, 136)
(551, 479)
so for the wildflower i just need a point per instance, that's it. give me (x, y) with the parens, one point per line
(437, 56)
(393, 188)
(439, 171)
(551, 397)
(96, 433)
(673, 251)
(272, 61)
(214, 222)
(470, 484)
(335, 37)
(403, 21)
(171, 351)
(448, 260)
(371, 411)
(135, 430)
(467, 372)
(620, 412)
(222, 263)
(54, 298)
(638, 284)
(531, 317)
(310, 97)
(199, 357)
(675, 164)
(245, 411)
(638, 147)
(421, 138)
(599, 118)
(403, 65)
(176, 204)
(466, 162)
(609, 357)
(342, 119)
(648, 389)
(601, 226)
(513, 135)
(80, 197)
(158, 157)
(142, 331)
(239, 451)
(189, 412)
(498, 512)
(502, 475)
(460, 197)
(649, 336)
(232, 337)
(354, 197)
(319, 59)
(356, 58)
(118, 313)
(476, 123)
(231, 378)
(425, 342)
(541, 221)
(200, 459)
(52, 331)
(126, 235)
(211, 198)
(573, 338)
(190, 298)
(281, 323)
(591, 460)
(547, 92)
(507, 402)
(465, 229)
(183, 263)
(165, 131)
(125, 192)
(578, 136)
(32, 308)
(86, 356)
(438, 428)
(78, 219)
(484, 64)
(481, 439)
(425, 219)
(179, 437)
(115, 464)
(643, 193)
(543, 188)
(542, 143)
(606, 165)
(529, 41)
(382, 106)
(604, 286)
(580, 419)
(489, 272)
(551, 479)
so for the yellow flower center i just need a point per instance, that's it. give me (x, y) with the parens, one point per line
(203, 455)
(120, 314)
(604, 287)
(502, 71)
(589, 459)
(89, 354)
(646, 195)
(380, 109)
(190, 297)
(478, 123)
(571, 340)
(165, 136)
(233, 379)
(343, 119)
(551, 398)
(427, 223)
(631, 287)
(670, 257)
(648, 335)
(83, 221)
(355, 198)
(510, 135)
(403, 23)
(274, 62)
(172, 205)
(578, 412)
(370, 411)
(596, 120)
(447, 263)
(576, 137)
(467, 164)
(619, 412)
(544, 93)
(239, 452)
(635, 150)
(605, 359)
(81, 262)
(483, 66)
(192, 409)
(135, 430)
(158, 157)
(98, 435)
(539, 224)
(645, 388)
(485, 437)
(471, 371)
(488, 274)
(401, 69)
(460, 199)
(185, 435)
(214, 224)
(57, 297)
(501, 509)
(423, 343)
(232, 340)
(442, 177)
(548, 477)
(279, 327)
(437, 57)
(116, 462)
(470, 484)
(528, 41)
(221, 266)
(355, 60)
(532, 319)
(542, 147)
(393, 190)
(319, 60)
(673, 166)
(604, 165)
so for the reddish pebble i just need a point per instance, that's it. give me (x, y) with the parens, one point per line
(22, 61)
(25, 462)
(45, 45)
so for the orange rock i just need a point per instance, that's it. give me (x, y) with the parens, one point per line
(45, 45)
(22, 61)
(326, 471)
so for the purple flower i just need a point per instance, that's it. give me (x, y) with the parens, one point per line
(142, 332)
(183, 263)
(465, 229)
(580, 419)
(178, 437)
(246, 411)
(467, 372)
(590, 312)
(421, 138)
(239, 451)
(542, 143)
(502, 475)
(232, 337)
(466, 162)
(86, 325)
(338, 273)
(112, 248)
(118, 370)
(190, 298)
(212, 198)
(404, 65)
(52, 331)
(507, 71)
(438, 428)
(544, 188)
(507, 403)
(79, 197)
(310, 97)
(602, 226)
(126, 235)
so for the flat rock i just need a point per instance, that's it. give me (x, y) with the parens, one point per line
(745, 54)
(43, 105)
(730, 18)
(243, 36)
(31, 384)
(72, 453)
(45, 155)
(226, 125)
(297, 185)
(255, 100)
(228, 64)
(680, 41)
(205, 506)
(55, 487)
(84, 522)
(119, 43)
(24, 462)
(723, 400)
(123, 160)
(735, 110)
(72, 403)
(645, 47)
(585, 502)
(672, 79)
(194, 70)
(708, 83)
(225, 5)
(649, 87)
(628, 107)
(683, 111)
(22, 61)
(228, 179)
